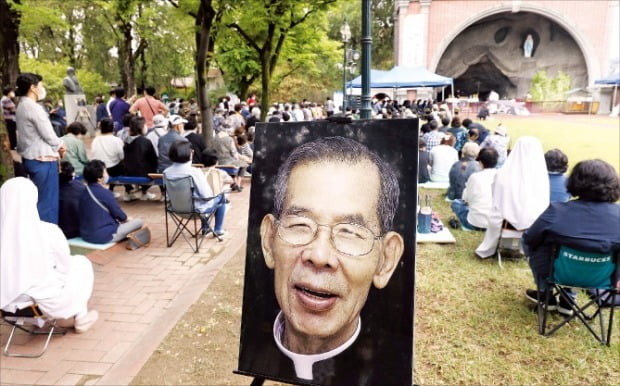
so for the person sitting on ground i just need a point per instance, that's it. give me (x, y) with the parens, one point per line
(175, 133)
(109, 149)
(441, 159)
(76, 151)
(36, 264)
(181, 157)
(218, 179)
(499, 141)
(474, 206)
(68, 209)
(557, 165)
(423, 166)
(140, 158)
(520, 192)
(160, 128)
(197, 140)
(434, 136)
(101, 219)
(483, 132)
(460, 134)
(590, 223)
(461, 170)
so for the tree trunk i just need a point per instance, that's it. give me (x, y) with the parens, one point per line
(9, 32)
(204, 22)
(6, 160)
(265, 82)
(128, 60)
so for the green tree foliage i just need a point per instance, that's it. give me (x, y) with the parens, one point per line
(382, 29)
(266, 28)
(545, 88)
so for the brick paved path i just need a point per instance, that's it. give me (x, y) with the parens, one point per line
(140, 295)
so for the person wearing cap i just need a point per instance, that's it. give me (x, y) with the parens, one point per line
(175, 133)
(498, 141)
(160, 128)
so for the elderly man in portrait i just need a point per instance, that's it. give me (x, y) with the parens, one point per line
(328, 240)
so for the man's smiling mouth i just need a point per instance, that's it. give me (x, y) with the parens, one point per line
(314, 300)
(318, 294)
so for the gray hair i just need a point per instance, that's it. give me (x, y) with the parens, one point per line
(343, 150)
(471, 149)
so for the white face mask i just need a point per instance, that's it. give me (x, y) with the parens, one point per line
(41, 94)
(106, 178)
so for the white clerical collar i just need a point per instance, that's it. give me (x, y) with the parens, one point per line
(303, 362)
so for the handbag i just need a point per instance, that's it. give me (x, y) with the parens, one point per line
(139, 238)
(425, 216)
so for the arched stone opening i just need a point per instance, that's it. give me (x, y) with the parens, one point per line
(490, 54)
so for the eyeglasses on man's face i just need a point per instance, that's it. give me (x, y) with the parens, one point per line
(347, 238)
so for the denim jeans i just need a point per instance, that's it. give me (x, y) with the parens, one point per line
(45, 176)
(220, 211)
(460, 208)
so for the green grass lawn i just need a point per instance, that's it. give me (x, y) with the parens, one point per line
(579, 136)
(473, 324)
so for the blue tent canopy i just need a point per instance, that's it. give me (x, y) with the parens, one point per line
(401, 77)
(374, 74)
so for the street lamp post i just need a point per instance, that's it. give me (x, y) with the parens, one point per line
(345, 33)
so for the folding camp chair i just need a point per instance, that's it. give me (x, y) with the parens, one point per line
(32, 321)
(581, 269)
(509, 242)
(187, 220)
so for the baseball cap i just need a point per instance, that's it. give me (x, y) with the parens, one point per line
(177, 119)
(160, 121)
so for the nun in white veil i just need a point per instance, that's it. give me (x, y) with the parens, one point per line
(35, 262)
(520, 192)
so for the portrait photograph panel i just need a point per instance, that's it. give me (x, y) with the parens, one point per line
(329, 275)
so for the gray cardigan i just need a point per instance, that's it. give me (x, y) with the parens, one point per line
(36, 137)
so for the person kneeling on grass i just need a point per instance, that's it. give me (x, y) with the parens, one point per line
(181, 156)
(36, 265)
(101, 218)
(590, 223)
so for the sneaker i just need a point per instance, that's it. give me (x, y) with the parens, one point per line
(129, 197)
(116, 194)
(534, 295)
(220, 233)
(148, 196)
(564, 307)
(84, 323)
